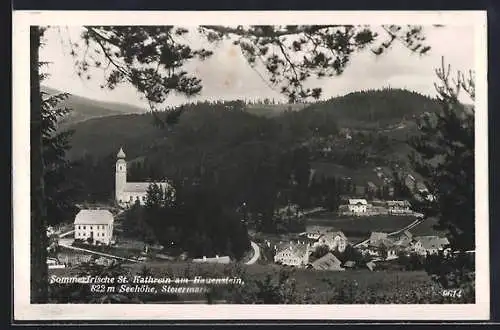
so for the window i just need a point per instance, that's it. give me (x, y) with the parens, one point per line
(90, 227)
(84, 227)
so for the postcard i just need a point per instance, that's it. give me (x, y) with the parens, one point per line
(253, 165)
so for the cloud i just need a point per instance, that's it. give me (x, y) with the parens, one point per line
(227, 75)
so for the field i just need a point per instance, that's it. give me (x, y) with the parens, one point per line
(360, 176)
(304, 286)
(426, 228)
(358, 224)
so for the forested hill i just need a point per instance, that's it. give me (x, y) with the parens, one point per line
(84, 108)
(204, 124)
(376, 108)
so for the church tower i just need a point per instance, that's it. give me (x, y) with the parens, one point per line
(120, 175)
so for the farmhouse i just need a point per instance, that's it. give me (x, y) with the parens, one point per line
(94, 224)
(403, 239)
(127, 193)
(429, 244)
(327, 262)
(336, 241)
(293, 255)
(376, 238)
(357, 206)
(398, 207)
(311, 235)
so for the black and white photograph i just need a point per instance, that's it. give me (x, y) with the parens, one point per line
(254, 165)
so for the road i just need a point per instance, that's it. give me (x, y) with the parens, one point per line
(408, 227)
(256, 253)
(96, 253)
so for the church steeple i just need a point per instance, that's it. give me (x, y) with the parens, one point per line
(121, 154)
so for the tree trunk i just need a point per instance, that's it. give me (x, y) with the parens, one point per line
(38, 209)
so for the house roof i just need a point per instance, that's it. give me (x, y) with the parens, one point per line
(333, 234)
(142, 187)
(402, 203)
(297, 249)
(432, 242)
(94, 217)
(350, 263)
(375, 236)
(353, 201)
(327, 262)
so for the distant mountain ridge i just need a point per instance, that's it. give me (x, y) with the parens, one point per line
(84, 108)
(390, 111)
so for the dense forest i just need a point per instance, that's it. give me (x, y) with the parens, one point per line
(376, 108)
(261, 161)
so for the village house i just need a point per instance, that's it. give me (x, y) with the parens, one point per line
(127, 193)
(357, 206)
(403, 239)
(377, 237)
(327, 262)
(96, 225)
(336, 241)
(311, 235)
(429, 244)
(398, 207)
(291, 254)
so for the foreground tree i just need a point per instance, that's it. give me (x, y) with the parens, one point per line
(445, 157)
(151, 58)
(38, 224)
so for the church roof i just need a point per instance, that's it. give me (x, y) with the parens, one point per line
(142, 187)
(94, 217)
(121, 154)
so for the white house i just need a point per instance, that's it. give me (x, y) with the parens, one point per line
(95, 224)
(293, 255)
(127, 193)
(398, 207)
(336, 241)
(429, 244)
(357, 206)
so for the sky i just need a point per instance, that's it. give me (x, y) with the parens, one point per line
(227, 75)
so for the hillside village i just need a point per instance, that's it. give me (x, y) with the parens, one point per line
(296, 189)
(94, 228)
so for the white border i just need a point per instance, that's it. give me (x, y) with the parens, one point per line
(23, 310)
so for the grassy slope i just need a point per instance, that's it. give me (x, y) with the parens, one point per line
(84, 108)
(367, 287)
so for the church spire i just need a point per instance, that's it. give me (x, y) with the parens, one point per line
(121, 154)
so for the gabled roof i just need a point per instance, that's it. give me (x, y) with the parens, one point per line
(333, 234)
(298, 249)
(432, 242)
(375, 236)
(360, 201)
(327, 262)
(402, 203)
(94, 217)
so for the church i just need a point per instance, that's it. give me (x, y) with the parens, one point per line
(127, 193)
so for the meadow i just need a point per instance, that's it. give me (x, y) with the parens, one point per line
(277, 285)
(358, 225)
